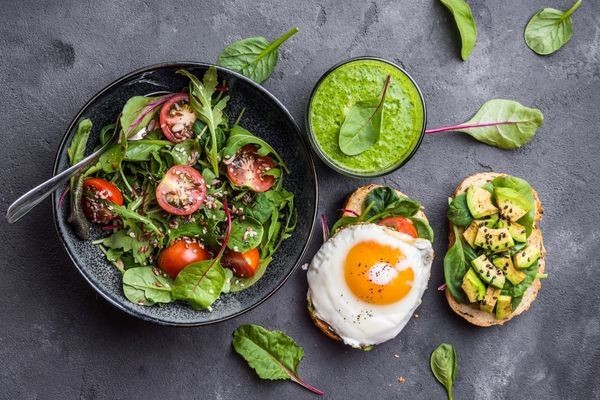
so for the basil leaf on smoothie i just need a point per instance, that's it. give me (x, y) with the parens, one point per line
(362, 126)
(466, 25)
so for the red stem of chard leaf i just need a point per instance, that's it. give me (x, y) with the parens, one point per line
(306, 385)
(63, 196)
(442, 287)
(354, 213)
(324, 227)
(467, 126)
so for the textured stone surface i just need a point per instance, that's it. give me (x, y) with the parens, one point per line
(59, 340)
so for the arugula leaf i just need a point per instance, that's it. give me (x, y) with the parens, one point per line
(253, 57)
(76, 150)
(458, 211)
(239, 137)
(444, 365)
(362, 125)
(142, 286)
(200, 283)
(455, 268)
(130, 215)
(201, 102)
(550, 29)
(246, 234)
(505, 124)
(424, 230)
(272, 354)
(466, 25)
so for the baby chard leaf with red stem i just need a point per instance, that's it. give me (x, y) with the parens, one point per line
(362, 125)
(272, 354)
(505, 124)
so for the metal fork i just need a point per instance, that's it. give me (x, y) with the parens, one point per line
(35, 196)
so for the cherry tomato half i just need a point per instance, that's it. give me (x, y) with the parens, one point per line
(400, 224)
(181, 191)
(179, 255)
(96, 192)
(249, 169)
(243, 265)
(177, 118)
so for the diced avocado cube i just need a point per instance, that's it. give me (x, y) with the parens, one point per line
(511, 204)
(503, 307)
(516, 230)
(480, 202)
(496, 240)
(489, 301)
(525, 258)
(506, 265)
(471, 232)
(473, 287)
(488, 272)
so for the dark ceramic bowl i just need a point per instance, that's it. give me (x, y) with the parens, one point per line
(266, 117)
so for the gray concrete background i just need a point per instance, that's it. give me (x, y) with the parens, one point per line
(59, 340)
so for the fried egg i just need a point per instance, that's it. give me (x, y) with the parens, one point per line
(367, 281)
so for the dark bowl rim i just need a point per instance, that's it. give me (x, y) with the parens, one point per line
(183, 64)
(321, 154)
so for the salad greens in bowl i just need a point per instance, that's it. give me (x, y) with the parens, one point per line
(204, 205)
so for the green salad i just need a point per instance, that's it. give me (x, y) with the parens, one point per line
(494, 259)
(191, 206)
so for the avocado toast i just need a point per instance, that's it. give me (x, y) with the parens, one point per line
(358, 209)
(493, 273)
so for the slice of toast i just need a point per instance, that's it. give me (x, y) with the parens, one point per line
(471, 312)
(352, 207)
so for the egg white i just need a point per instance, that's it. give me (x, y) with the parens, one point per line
(356, 322)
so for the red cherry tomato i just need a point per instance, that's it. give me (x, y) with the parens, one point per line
(96, 192)
(249, 169)
(243, 265)
(181, 191)
(179, 255)
(177, 118)
(400, 224)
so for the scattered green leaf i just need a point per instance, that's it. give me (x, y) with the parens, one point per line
(461, 11)
(550, 29)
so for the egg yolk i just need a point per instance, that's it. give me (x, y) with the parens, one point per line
(371, 273)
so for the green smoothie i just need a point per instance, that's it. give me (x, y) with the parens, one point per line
(359, 80)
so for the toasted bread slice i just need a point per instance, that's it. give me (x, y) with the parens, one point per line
(352, 206)
(471, 312)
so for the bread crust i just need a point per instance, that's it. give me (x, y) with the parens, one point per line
(471, 312)
(352, 206)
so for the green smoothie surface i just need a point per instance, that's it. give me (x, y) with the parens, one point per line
(360, 80)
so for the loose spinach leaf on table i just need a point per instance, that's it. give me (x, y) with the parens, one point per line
(505, 124)
(272, 354)
(455, 267)
(444, 365)
(246, 234)
(458, 211)
(550, 29)
(362, 125)
(200, 284)
(212, 115)
(466, 25)
(253, 57)
(142, 286)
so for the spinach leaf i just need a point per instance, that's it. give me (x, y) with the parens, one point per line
(362, 125)
(455, 268)
(186, 152)
(524, 189)
(201, 102)
(343, 222)
(200, 283)
(253, 57)
(505, 124)
(458, 211)
(239, 137)
(379, 199)
(444, 365)
(423, 228)
(246, 234)
(142, 286)
(132, 110)
(272, 354)
(466, 25)
(519, 290)
(76, 150)
(145, 150)
(550, 29)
